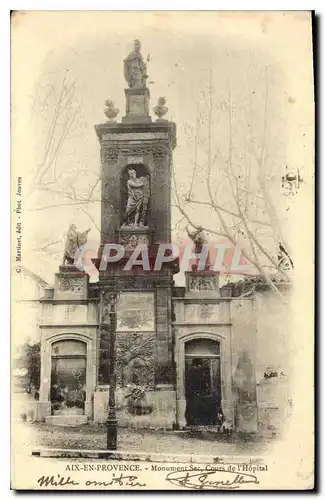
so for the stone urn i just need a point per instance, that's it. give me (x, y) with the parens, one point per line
(160, 110)
(110, 110)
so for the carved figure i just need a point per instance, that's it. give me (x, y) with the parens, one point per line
(74, 241)
(138, 198)
(135, 70)
(198, 237)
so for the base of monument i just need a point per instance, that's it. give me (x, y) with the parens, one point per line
(66, 420)
(137, 105)
(159, 410)
(136, 119)
(164, 387)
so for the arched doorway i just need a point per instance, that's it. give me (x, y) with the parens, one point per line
(203, 382)
(68, 377)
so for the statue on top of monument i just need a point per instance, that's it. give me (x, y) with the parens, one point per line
(199, 239)
(138, 198)
(73, 242)
(135, 70)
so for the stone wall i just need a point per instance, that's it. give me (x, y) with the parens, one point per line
(274, 405)
(272, 340)
(243, 346)
(158, 408)
(273, 361)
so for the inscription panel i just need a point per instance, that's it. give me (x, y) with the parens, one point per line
(137, 104)
(132, 136)
(136, 312)
(69, 314)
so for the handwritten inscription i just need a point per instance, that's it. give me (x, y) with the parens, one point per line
(206, 480)
(52, 482)
(194, 479)
(56, 481)
(118, 481)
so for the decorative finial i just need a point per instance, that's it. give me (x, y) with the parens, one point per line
(110, 111)
(160, 110)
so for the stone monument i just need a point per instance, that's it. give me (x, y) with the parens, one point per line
(136, 157)
(128, 342)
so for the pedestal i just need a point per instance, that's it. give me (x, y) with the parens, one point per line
(202, 283)
(137, 106)
(131, 236)
(70, 283)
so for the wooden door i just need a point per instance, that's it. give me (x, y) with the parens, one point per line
(203, 390)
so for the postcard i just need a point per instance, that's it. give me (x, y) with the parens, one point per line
(162, 201)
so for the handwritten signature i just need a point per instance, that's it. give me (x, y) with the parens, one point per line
(205, 480)
(58, 480)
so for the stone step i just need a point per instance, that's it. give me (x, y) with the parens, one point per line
(212, 429)
(66, 420)
(168, 458)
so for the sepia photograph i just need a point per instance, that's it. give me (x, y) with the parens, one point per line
(162, 250)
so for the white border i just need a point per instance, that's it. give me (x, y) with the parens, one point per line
(5, 153)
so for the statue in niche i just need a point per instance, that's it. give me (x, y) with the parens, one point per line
(138, 198)
(74, 241)
(135, 69)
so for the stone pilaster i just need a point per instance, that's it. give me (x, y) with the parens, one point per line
(164, 346)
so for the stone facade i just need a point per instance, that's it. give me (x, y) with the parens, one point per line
(230, 322)
(251, 400)
(68, 314)
(164, 334)
(216, 318)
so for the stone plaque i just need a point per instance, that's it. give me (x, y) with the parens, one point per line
(136, 312)
(135, 160)
(203, 283)
(73, 285)
(131, 240)
(136, 105)
(71, 313)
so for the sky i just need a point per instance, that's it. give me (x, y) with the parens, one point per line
(236, 49)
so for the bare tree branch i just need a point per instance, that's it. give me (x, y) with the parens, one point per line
(250, 210)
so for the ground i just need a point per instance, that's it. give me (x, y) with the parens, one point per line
(91, 436)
